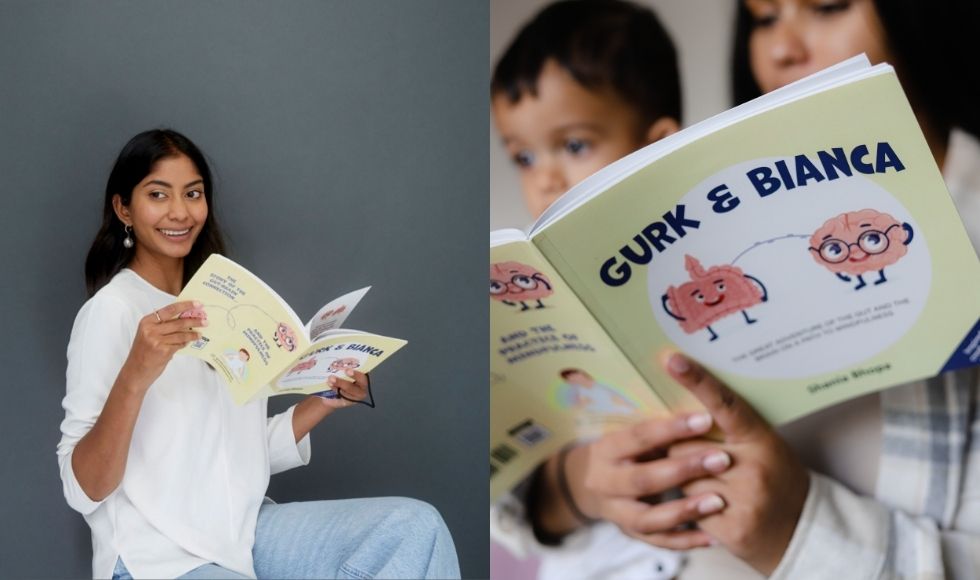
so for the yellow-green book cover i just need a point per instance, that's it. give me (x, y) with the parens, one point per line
(802, 246)
(258, 344)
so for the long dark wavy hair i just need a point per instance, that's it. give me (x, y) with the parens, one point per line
(108, 256)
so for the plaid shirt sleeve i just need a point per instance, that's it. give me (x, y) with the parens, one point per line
(925, 519)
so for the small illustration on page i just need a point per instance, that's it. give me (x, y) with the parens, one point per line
(340, 365)
(237, 361)
(514, 282)
(284, 337)
(858, 242)
(711, 295)
(579, 390)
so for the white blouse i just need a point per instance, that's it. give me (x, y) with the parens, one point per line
(198, 464)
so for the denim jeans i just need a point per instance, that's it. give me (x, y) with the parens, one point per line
(388, 537)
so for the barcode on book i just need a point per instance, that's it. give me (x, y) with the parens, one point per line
(503, 453)
(529, 433)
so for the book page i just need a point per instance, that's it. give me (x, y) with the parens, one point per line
(334, 313)
(252, 334)
(555, 376)
(806, 255)
(335, 353)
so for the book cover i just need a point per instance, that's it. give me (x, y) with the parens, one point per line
(806, 254)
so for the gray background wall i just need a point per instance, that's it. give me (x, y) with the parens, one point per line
(702, 32)
(349, 144)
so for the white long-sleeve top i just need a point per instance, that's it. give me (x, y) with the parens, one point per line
(198, 464)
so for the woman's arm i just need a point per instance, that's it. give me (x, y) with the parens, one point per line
(99, 457)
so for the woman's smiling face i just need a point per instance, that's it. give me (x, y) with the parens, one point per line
(167, 210)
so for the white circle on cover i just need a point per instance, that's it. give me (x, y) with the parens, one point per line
(812, 321)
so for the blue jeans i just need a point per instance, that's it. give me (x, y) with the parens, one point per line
(388, 537)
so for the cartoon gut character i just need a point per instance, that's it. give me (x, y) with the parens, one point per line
(513, 282)
(712, 294)
(303, 366)
(858, 242)
(342, 364)
(284, 337)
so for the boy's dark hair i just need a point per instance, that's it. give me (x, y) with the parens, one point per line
(602, 44)
(931, 43)
(565, 373)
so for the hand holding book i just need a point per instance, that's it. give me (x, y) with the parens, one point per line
(743, 485)
(766, 485)
(344, 393)
(159, 336)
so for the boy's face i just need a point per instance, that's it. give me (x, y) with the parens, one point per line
(564, 134)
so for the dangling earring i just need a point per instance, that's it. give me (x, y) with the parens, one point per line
(128, 241)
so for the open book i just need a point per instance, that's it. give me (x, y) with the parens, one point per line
(802, 246)
(260, 347)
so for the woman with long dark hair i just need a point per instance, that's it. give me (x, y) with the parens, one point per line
(169, 473)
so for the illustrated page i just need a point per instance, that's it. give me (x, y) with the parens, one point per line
(251, 334)
(555, 376)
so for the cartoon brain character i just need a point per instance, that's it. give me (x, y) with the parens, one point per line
(342, 364)
(284, 337)
(858, 242)
(513, 282)
(712, 294)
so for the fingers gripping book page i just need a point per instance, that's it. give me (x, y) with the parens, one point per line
(555, 376)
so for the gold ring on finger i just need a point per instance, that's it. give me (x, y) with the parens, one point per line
(157, 314)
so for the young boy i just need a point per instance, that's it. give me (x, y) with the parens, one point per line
(583, 84)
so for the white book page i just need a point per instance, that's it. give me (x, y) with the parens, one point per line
(506, 236)
(334, 314)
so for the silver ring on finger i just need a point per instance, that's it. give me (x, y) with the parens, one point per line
(157, 314)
